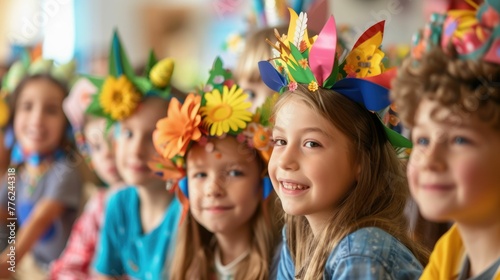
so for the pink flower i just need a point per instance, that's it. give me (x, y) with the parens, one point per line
(292, 86)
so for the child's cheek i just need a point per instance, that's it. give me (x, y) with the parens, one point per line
(472, 175)
(412, 175)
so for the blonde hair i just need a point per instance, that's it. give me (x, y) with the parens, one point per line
(377, 200)
(464, 86)
(194, 252)
(256, 49)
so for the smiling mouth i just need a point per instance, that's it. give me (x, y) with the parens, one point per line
(293, 186)
(218, 209)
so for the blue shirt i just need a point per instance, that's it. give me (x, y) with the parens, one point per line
(368, 253)
(124, 249)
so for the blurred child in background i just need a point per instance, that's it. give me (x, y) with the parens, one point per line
(48, 183)
(96, 146)
(247, 72)
(140, 220)
(448, 93)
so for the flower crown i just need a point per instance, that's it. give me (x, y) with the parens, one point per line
(317, 62)
(218, 109)
(472, 34)
(122, 91)
(28, 65)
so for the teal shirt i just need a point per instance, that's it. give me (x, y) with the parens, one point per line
(124, 249)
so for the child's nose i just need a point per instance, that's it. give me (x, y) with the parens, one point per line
(432, 158)
(37, 116)
(138, 147)
(288, 159)
(215, 188)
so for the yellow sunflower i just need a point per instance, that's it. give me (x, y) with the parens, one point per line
(4, 112)
(119, 97)
(226, 111)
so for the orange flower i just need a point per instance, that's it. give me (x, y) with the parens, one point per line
(174, 133)
(303, 63)
(165, 169)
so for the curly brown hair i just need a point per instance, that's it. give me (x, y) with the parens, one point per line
(466, 87)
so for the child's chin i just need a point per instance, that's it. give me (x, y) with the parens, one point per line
(435, 216)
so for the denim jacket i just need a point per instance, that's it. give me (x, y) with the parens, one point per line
(368, 253)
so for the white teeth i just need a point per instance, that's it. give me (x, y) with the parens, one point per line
(291, 186)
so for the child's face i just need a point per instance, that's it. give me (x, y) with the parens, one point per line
(257, 91)
(134, 145)
(311, 166)
(453, 170)
(39, 121)
(101, 152)
(224, 185)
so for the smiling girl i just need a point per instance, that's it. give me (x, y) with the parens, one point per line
(333, 166)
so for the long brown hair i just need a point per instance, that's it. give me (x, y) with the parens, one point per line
(194, 252)
(377, 200)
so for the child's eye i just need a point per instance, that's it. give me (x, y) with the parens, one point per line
(279, 142)
(51, 110)
(251, 94)
(460, 140)
(199, 175)
(235, 173)
(422, 141)
(312, 144)
(127, 133)
(26, 106)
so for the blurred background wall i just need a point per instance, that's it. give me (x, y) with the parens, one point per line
(192, 31)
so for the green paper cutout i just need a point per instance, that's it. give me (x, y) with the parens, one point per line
(301, 75)
(142, 84)
(98, 82)
(266, 111)
(396, 139)
(332, 79)
(152, 60)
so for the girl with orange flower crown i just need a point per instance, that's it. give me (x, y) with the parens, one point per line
(230, 229)
(41, 193)
(448, 93)
(141, 219)
(334, 164)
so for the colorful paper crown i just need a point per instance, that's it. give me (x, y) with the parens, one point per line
(31, 64)
(122, 91)
(472, 34)
(316, 62)
(220, 108)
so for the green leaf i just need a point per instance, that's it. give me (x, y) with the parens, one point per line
(332, 79)
(142, 84)
(151, 62)
(95, 108)
(96, 81)
(301, 75)
(267, 109)
(396, 139)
